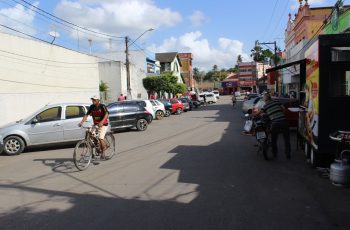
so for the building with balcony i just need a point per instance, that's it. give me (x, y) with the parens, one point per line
(170, 62)
(249, 74)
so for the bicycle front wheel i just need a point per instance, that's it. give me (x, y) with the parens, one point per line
(82, 155)
(110, 145)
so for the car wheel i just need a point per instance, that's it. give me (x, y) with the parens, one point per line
(178, 111)
(141, 124)
(13, 145)
(167, 113)
(159, 115)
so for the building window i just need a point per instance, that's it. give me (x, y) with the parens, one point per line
(340, 54)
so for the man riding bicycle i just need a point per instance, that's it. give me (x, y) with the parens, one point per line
(99, 113)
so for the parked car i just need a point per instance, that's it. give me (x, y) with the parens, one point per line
(186, 104)
(128, 114)
(248, 105)
(158, 108)
(52, 124)
(177, 106)
(188, 100)
(217, 94)
(1, 144)
(168, 107)
(148, 106)
(292, 117)
(210, 98)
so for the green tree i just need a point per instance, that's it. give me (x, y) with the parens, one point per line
(150, 84)
(103, 86)
(179, 88)
(198, 75)
(239, 58)
(160, 84)
(257, 52)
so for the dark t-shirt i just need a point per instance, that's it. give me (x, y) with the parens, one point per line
(97, 113)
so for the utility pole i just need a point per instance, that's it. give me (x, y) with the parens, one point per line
(274, 58)
(127, 64)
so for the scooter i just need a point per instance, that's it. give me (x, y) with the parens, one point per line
(262, 135)
(258, 126)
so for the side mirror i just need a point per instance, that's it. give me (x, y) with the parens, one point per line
(35, 120)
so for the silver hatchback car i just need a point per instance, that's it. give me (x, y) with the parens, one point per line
(52, 124)
(1, 144)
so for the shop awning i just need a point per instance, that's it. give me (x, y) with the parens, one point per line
(285, 65)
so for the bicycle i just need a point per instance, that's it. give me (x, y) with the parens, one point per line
(89, 148)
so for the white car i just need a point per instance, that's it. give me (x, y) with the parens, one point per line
(217, 94)
(209, 97)
(158, 108)
(148, 106)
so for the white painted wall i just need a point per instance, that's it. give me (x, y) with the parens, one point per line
(34, 74)
(112, 73)
(138, 70)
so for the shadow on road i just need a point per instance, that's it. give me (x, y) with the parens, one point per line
(61, 165)
(235, 190)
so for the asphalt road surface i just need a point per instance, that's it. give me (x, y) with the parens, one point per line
(189, 171)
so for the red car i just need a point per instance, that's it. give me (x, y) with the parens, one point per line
(176, 105)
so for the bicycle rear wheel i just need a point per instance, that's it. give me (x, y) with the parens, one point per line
(82, 155)
(110, 144)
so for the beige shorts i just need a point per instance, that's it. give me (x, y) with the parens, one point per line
(102, 132)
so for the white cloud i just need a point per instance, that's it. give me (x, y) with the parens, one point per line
(122, 17)
(18, 18)
(197, 18)
(204, 55)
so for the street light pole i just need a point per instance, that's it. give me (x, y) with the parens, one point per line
(127, 62)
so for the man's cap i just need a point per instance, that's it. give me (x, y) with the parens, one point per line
(95, 97)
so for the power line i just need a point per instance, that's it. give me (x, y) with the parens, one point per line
(54, 86)
(268, 25)
(280, 19)
(31, 36)
(72, 63)
(62, 20)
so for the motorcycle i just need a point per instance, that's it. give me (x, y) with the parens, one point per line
(261, 130)
(258, 126)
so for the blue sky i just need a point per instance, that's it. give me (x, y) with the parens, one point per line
(214, 31)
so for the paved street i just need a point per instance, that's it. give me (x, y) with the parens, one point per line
(194, 171)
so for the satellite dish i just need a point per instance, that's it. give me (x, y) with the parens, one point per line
(54, 34)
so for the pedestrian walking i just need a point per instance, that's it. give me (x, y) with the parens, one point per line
(205, 99)
(275, 112)
(233, 100)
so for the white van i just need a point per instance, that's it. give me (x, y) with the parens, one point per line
(217, 94)
(210, 98)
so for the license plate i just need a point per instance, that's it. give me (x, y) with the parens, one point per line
(260, 135)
